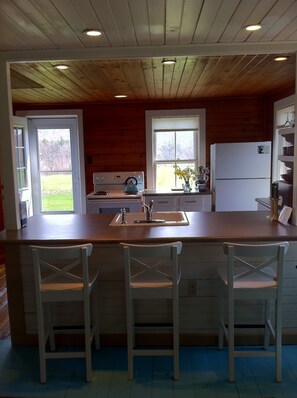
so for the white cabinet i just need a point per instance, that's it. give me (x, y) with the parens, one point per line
(162, 202)
(195, 203)
(191, 202)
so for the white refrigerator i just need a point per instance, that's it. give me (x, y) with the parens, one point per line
(240, 173)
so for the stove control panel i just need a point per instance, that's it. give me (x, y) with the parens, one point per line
(115, 179)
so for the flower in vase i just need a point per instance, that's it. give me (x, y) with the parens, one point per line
(186, 174)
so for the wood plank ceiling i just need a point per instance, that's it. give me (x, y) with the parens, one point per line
(215, 55)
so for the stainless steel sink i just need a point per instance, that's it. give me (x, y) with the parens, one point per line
(159, 218)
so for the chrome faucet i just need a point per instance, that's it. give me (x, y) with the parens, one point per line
(123, 216)
(148, 210)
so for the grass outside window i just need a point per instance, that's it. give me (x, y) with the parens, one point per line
(56, 192)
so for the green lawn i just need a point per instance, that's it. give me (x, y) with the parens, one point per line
(57, 192)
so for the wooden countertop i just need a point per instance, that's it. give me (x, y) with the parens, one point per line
(204, 227)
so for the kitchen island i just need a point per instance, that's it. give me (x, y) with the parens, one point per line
(202, 253)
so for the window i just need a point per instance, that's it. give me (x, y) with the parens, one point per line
(22, 162)
(21, 168)
(170, 148)
(173, 138)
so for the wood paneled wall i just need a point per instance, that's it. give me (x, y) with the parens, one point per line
(114, 134)
(114, 138)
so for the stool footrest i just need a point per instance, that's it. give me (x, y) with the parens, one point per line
(153, 325)
(247, 326)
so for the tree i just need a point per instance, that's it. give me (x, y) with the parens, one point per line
(54, 155)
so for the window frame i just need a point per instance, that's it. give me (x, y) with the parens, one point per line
(176, 113)
(21, 153)
(24, 193)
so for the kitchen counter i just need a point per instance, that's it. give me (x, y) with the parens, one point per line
(201, 254)
(203, 227)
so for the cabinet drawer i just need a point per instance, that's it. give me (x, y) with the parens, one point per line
(197, 203)
(180, 202)
(162, 202)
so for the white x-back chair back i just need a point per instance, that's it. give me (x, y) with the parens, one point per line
(153, 266)
(253, 272)
(62, 274)
(255, 266)
(63, 269)
(152, 271)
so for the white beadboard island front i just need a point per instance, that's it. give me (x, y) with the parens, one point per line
(202, 253)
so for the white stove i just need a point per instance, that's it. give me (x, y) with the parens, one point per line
(109, 194)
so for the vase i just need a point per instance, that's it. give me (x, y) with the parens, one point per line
(187, 186)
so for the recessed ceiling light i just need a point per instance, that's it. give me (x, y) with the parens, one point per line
(93, 32)
(121, 96)
(61, 67)
(253, 28)
(169, 61)
(281, 58)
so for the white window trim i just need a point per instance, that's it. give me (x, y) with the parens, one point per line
(150, 115)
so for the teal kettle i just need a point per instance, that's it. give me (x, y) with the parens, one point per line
(131, 185)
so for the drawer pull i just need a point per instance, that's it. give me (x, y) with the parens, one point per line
(190, 201)
(162, 201)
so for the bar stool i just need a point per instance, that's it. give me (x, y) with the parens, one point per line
(62, 275)
(152, 272)
(253, 272)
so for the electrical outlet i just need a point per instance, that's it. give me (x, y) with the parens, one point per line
(192, 287)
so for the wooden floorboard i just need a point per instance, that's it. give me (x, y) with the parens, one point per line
(4, 319)
(203, 374)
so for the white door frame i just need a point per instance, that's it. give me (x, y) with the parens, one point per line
(67, 113)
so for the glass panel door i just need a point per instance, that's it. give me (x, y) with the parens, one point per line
(54, 150)
(55, 170)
